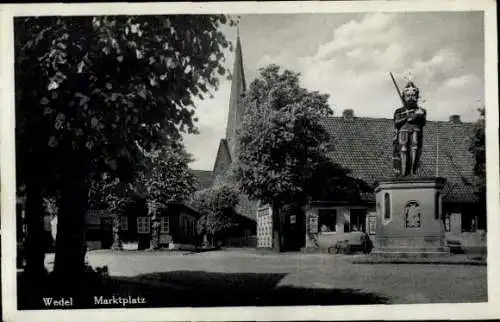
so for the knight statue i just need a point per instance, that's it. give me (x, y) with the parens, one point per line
(409, 121)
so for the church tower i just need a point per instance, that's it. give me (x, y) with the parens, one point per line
(229, 146)
(236, 108)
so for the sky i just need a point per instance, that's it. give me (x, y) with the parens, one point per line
(349, 56)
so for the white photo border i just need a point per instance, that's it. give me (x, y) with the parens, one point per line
(352, 312)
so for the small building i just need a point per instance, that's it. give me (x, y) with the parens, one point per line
(177, 228)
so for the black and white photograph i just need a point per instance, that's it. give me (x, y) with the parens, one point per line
(231, 157)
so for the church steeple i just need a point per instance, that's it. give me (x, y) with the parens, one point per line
(236, 108)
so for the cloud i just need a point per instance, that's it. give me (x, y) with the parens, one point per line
(444, 64)
(374, 30)
(353, 68)
(462, 81)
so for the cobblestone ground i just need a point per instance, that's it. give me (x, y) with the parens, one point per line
(237, 269)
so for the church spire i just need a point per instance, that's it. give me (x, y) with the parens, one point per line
(236, 109)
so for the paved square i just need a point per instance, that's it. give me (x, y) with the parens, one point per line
(239, 276)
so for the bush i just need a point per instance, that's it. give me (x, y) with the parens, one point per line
(96, 276)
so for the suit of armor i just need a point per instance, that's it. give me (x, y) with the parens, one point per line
(409, 121)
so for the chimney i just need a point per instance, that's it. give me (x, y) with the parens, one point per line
(348, 114)
(455, 119)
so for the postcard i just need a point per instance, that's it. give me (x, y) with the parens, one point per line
(249, 161)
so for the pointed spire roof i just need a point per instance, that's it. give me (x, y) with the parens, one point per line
(238, 87)
(238, 72)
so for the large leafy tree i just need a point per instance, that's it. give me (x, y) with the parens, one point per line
(217, 208)
(282, 141)
(88, 89)
(478, 149)
(113, 196)
(164, 180)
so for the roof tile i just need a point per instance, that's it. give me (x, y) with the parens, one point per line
(204, 179)
(364, 145)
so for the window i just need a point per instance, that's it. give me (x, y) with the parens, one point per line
(123, 223)
(143, 225)
(165, 225)
(469, 222)
(387, 206)
(327, 220)
(358, 219)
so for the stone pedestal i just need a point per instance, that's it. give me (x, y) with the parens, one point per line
(409, 219)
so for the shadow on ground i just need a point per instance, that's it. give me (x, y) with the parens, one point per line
(203, 289)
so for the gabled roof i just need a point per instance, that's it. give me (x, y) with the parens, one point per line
(364, 145)
(204, 179)
(223, 158)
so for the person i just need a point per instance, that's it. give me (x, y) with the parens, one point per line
(409, 121)
(367, 244)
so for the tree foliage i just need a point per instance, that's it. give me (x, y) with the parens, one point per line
(283, 161)
(50, 205)
(216, 206)
(111, 194)
(282, 139)
(98, 84)
(89, 88)
(164, 178)
(332, 182)
(478, 149)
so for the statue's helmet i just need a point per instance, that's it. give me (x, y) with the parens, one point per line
(411, 92)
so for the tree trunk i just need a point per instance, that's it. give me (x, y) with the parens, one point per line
(117, 242)
(155, 233)
(205, 243)
(71, 242)
(35, 246)
(277, 228)
(210, 238)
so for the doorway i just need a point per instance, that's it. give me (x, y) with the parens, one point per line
(294, 229)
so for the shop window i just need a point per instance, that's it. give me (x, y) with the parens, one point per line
(165, 225)
(327, 220)
(387, 206)
(123, 223)
(358, 219)
(143, 225)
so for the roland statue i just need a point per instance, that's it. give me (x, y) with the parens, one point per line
(409, 121)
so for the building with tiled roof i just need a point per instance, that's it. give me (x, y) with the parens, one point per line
(364, 145)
